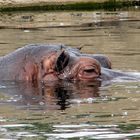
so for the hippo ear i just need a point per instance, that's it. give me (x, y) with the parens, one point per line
(62, 61)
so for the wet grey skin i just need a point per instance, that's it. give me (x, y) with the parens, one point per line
(42, 62)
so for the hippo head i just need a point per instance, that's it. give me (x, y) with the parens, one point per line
(61, 65)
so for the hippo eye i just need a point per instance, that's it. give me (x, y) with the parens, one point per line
(62, 61)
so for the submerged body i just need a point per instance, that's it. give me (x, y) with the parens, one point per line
(55, 62)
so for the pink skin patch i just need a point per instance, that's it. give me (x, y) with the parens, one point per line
(50, 77)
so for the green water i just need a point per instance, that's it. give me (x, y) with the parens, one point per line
(73, 110)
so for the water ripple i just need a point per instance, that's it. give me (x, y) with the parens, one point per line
(89, 131)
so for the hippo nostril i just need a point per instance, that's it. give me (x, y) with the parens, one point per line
(89, 70)
(88, 73)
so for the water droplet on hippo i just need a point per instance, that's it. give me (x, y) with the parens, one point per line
(41, 103)
(90, 100)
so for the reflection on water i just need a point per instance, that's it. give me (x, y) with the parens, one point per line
(65, 110)
(54, 95)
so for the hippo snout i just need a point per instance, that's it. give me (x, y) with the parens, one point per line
(86, 69)
(88, 72)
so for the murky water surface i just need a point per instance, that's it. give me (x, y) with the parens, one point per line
(73, 110)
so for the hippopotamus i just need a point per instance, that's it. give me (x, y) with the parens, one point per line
(47, 62)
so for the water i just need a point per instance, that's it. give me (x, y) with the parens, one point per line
(73, 110)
